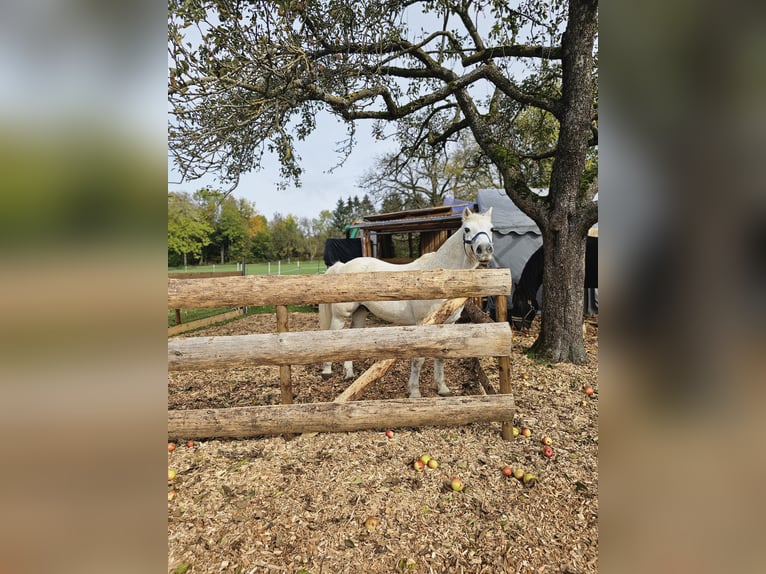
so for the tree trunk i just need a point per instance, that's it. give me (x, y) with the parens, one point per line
(566, 223)
(560, 336)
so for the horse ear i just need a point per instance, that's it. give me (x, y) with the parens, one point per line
(488, 213)
(466, 212)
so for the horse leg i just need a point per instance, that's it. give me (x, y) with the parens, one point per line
(441, 388)
(413, 387)
(357, 320)
(336, 322)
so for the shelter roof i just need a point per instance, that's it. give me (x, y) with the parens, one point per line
(413, 220)
(506, 217)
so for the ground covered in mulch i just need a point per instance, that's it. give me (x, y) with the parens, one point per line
(352, 502)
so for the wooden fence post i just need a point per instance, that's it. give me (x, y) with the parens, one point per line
(504, 364)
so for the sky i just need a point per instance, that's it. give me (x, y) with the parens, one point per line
(320, 189)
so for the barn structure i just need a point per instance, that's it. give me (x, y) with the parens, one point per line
(401, 236)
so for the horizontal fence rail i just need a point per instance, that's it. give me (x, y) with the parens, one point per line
(303, 348)
(244, 422)
(256, 290)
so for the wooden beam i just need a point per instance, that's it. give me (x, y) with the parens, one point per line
(337, 417)
(191, 325)
(204, 274)
(486, 385)
(307, 347)
(336, 288)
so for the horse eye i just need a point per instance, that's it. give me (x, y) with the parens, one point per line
(467, 229)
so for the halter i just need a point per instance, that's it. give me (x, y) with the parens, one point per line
(470, 241)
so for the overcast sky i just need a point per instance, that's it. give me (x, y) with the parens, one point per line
(320, 189)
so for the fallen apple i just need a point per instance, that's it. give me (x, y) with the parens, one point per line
(507, 471)
(588, 390)
(518, 473)
(547, 441)
(419, 466)
(371, 523)
(172, 494)
(515, 431)
(389, 433)
(190, 443)
(425, 458)
(171, 474)
(171, 446)
(433, 463)
(547, 451)
(457, 484)
(529, 479)
(526, 432)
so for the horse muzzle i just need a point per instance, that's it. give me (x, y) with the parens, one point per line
(483, 253)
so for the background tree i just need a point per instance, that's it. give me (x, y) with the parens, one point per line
(286, 238)
(188, 232)
(208, 202)
(260, 238)
(246, 79)
(400, 182)
(349, 210)
(230, 219)
(315, 231)
(233, 231)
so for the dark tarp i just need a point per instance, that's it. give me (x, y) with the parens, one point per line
(341, 250)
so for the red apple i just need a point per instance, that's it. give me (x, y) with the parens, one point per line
(389, 433)
(588, 390)
(547, 451)
(190, 443)
(526, 432)
(171, 446)
(419, 466)
(432, 463)
(507, 471)
(457, 484)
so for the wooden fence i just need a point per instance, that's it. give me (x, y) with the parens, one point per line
(180, 327)
(429, 339)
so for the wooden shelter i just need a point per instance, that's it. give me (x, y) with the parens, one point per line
(433, 225)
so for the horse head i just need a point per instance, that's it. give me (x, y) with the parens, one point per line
(477, 236)
(523, 310)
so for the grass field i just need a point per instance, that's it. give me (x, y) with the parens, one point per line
(273, 268)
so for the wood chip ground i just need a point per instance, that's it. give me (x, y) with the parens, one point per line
(352, 502)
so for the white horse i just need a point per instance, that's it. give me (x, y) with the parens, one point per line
(467, 248)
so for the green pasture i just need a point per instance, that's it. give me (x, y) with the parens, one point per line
(273, 268)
